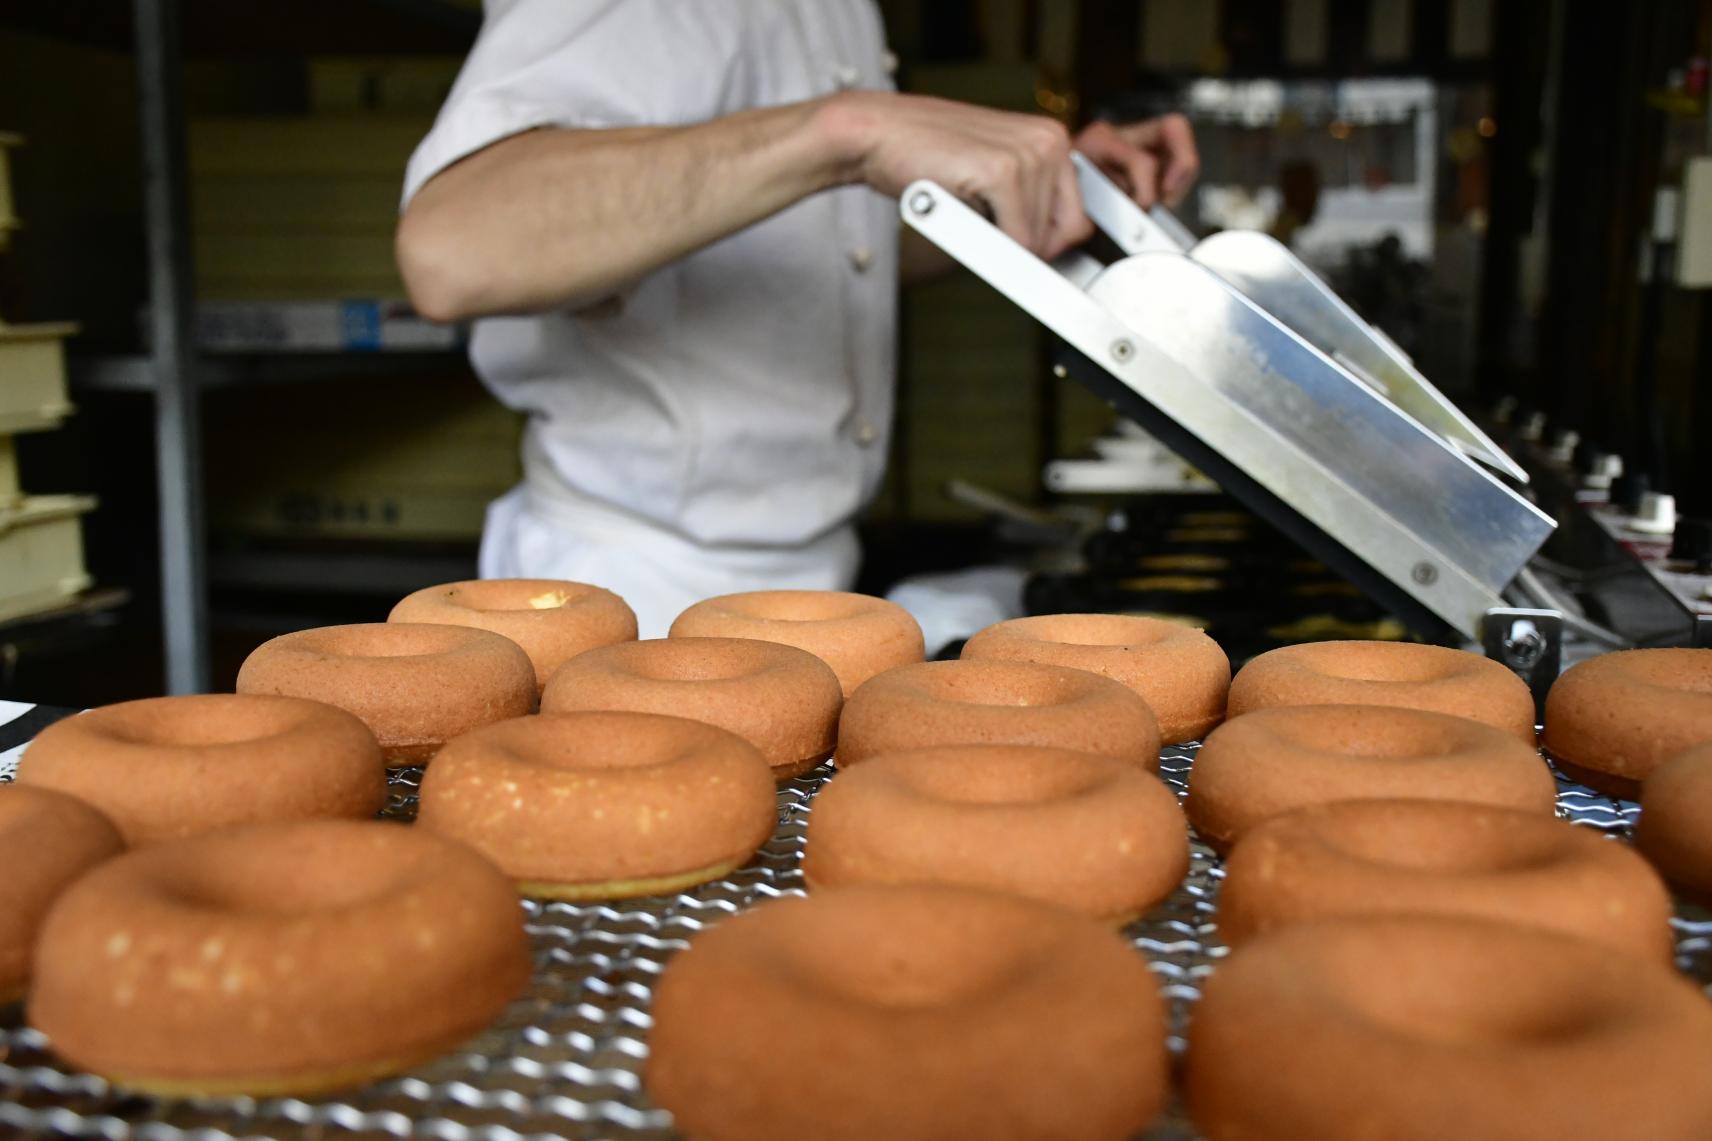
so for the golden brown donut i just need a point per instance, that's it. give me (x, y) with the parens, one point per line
(270, 959)
(552, 620)
(1612, 719)
(858, 635)
(602, 805)
(1365, 857)
(1094, 834)
(1272, 760)
(1179, 671)
(1422, 1028)
(911, 1014)
(1675, 831)
(782, 700)
(167, 767)
(1433, 678)
(415, 685)
(997, 703)
(47, 840)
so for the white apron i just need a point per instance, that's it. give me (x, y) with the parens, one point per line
(717, 425)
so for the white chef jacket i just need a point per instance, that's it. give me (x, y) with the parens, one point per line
(717, 425)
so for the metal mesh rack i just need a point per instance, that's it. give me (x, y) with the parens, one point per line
(565, 1059)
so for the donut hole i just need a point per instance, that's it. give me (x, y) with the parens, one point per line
(796, 605)
(630, 750)
(260, 875)
(1377, 662)
(602, 739)
(389, 640)
(198, 722)
(1013, 687)
(912, 966)
(1463, 1005)
(1413, 838)
(696, 659)
(515, 594)
(1378, 733)
(1001, 776)
(1110, 630)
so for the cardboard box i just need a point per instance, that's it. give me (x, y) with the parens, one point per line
(10, 492)
(41, 553)
(32, 376)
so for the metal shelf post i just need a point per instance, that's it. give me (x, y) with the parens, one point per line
(178, 422)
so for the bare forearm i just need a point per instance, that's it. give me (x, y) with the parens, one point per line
(556, 217)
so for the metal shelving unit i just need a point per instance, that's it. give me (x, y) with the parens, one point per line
(173, 371)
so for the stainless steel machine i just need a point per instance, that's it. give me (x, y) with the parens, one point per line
(1246, 364)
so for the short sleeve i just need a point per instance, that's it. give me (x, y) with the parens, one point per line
(585, 63)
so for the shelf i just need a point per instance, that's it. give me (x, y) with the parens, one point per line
(339, 572)
(89, 607)
(133, 373)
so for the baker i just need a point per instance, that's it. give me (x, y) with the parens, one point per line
(675, 228)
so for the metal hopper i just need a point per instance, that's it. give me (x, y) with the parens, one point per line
(1388, 501)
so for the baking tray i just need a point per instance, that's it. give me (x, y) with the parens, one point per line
(565, 1059)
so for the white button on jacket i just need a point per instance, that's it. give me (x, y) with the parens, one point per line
(718, 425)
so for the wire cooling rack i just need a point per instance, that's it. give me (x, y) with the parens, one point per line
(565, 1059)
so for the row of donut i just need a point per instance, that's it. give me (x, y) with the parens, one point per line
(1421, 949)
(1027, 705)
(1105, 685)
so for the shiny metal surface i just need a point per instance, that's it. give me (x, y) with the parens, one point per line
(1119, 218)
(1471, 519)
(565, 1059)
(1267, 273)
(1265, 270)
(1438, 527)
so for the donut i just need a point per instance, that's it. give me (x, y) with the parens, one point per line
(47, 840)
(908, 1013)
(1179, 671)
(552, 620)
(1272, 760)
(1675, 831)
(997, 703)
(1420, 1028)
(273, 959)
(782, 700)
(1094, 834)
(602, 805)
(1612, 719)
(1363, 857)
(1433, 678)
(858, 635)
(167, 767)
(414, 684)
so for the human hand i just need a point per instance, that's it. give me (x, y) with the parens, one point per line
(1153, 160)
(1015, 167)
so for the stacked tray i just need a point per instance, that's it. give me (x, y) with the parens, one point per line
(565, 1059)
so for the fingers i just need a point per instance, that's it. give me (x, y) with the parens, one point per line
(1004, 203)
(1154, 159)
(1014, 167)
(1030, 186)
(1128, 164)
(1108, 150)
(1182, 162)
(1071, 225)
